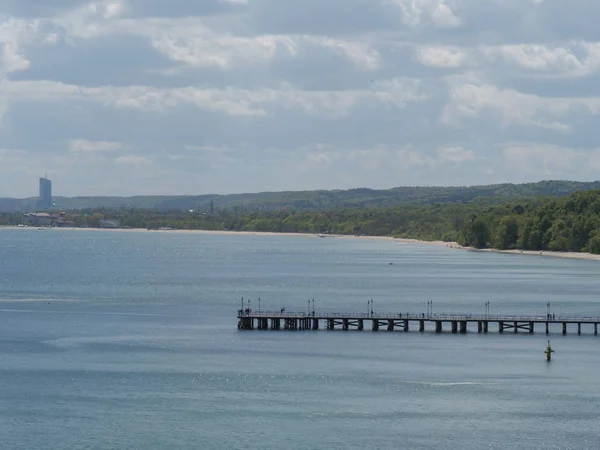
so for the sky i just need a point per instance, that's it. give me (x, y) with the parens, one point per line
(133, 97)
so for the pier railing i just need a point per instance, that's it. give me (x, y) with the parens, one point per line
(416, 316)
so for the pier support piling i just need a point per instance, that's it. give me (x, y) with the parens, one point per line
(459, 323)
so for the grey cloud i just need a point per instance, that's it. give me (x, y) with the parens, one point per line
(494, 22)
(470, 102)
(180, 8)
(284, 128)
(107, 60)
(36, 8)
(136, 8)
(54, 124)
(552, 87)
(575, 19)
(320, 17)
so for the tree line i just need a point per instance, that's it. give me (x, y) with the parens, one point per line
(569, 223)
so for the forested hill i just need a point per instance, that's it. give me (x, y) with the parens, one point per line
(318, 200)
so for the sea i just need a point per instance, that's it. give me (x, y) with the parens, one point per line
(129, 340)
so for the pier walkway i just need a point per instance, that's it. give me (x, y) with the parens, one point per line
(456, 323)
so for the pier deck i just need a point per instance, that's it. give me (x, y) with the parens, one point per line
(458, 323)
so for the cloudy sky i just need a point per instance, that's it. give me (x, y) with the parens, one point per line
(122, 97)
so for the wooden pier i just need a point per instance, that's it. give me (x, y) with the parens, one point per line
(455, 323)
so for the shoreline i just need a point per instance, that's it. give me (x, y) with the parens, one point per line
(565, 255)
(451, 245)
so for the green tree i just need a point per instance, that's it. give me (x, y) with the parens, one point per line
(507, 233)
(94, 220)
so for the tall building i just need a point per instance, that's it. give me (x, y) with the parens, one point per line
(45, 201)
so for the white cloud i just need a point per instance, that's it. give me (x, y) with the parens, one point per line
(568, 60)
(551, 160)
(322, 159)
(580, 59)
(240, 102)
(415, 11)
(208, 149)
(226, 52)
(358, 53)
(513, 107)
(87, 146)
(112, 9)
(13, 34)
(443, 17)
(197, 47)
(133, 160)
(455, 154)
(441, 57)
(377, 158)
(51, 39)
(94, 19)
(371, 159)
(409, 158)
(191, 42)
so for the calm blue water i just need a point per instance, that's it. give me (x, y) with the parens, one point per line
(112, 340)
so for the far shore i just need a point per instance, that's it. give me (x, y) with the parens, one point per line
(453, 245)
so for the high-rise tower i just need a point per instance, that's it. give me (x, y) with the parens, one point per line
(45, 201)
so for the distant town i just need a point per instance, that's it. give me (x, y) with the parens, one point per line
(47, 219)
(61, 219)
(42, 219)
(46, 215)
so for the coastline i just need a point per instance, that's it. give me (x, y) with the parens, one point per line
(452, 245)
(567, 255)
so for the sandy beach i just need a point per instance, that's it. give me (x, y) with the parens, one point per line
(569, 255)
(452, 245)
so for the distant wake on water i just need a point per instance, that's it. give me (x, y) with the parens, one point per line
(448, 383)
